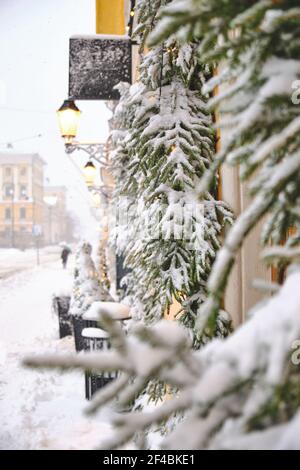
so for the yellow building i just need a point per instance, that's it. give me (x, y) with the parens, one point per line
(21, 198)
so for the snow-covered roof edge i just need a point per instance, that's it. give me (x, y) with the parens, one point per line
(101, 36)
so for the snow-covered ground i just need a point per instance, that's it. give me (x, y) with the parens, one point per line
(39, 409)
(13, 261)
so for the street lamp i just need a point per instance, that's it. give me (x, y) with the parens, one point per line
(51, 202)
(68, 118)
(105, 188)
(89, 172)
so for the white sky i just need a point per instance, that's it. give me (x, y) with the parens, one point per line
(34, 56)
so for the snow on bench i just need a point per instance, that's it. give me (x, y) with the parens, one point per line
(116, 310)
(94, 333)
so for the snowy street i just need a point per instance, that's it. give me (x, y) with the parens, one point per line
(37, 407)
(13, 261)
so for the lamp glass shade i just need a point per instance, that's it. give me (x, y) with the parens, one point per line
(68, 119)
(89, 172)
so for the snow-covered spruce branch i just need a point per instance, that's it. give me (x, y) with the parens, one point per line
(108, 362)
(258, 351)
(276, 142)
(254, 100)
(281, 253)
(243, 225)
(165, 142)
(107, 394)
(273, 21)
(217, 394)
(251, 13)
(129, 424)
(128, 355)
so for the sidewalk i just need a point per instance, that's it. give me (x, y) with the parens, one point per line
(39, 410)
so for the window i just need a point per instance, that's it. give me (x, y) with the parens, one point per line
(7, 213)
(23, 191)
(23, 171)
(22, 213)
(8, 191)
(8, 171)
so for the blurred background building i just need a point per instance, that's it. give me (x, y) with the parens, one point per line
(28, 209)
(21, 198)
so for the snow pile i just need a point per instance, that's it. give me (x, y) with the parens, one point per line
(94, 333)
(116, 310)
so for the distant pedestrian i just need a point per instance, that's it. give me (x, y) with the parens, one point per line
(65, 255)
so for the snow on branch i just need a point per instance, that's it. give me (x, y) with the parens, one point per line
(245, 222)
(214, 384)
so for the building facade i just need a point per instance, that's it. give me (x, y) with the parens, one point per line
(21, 198)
